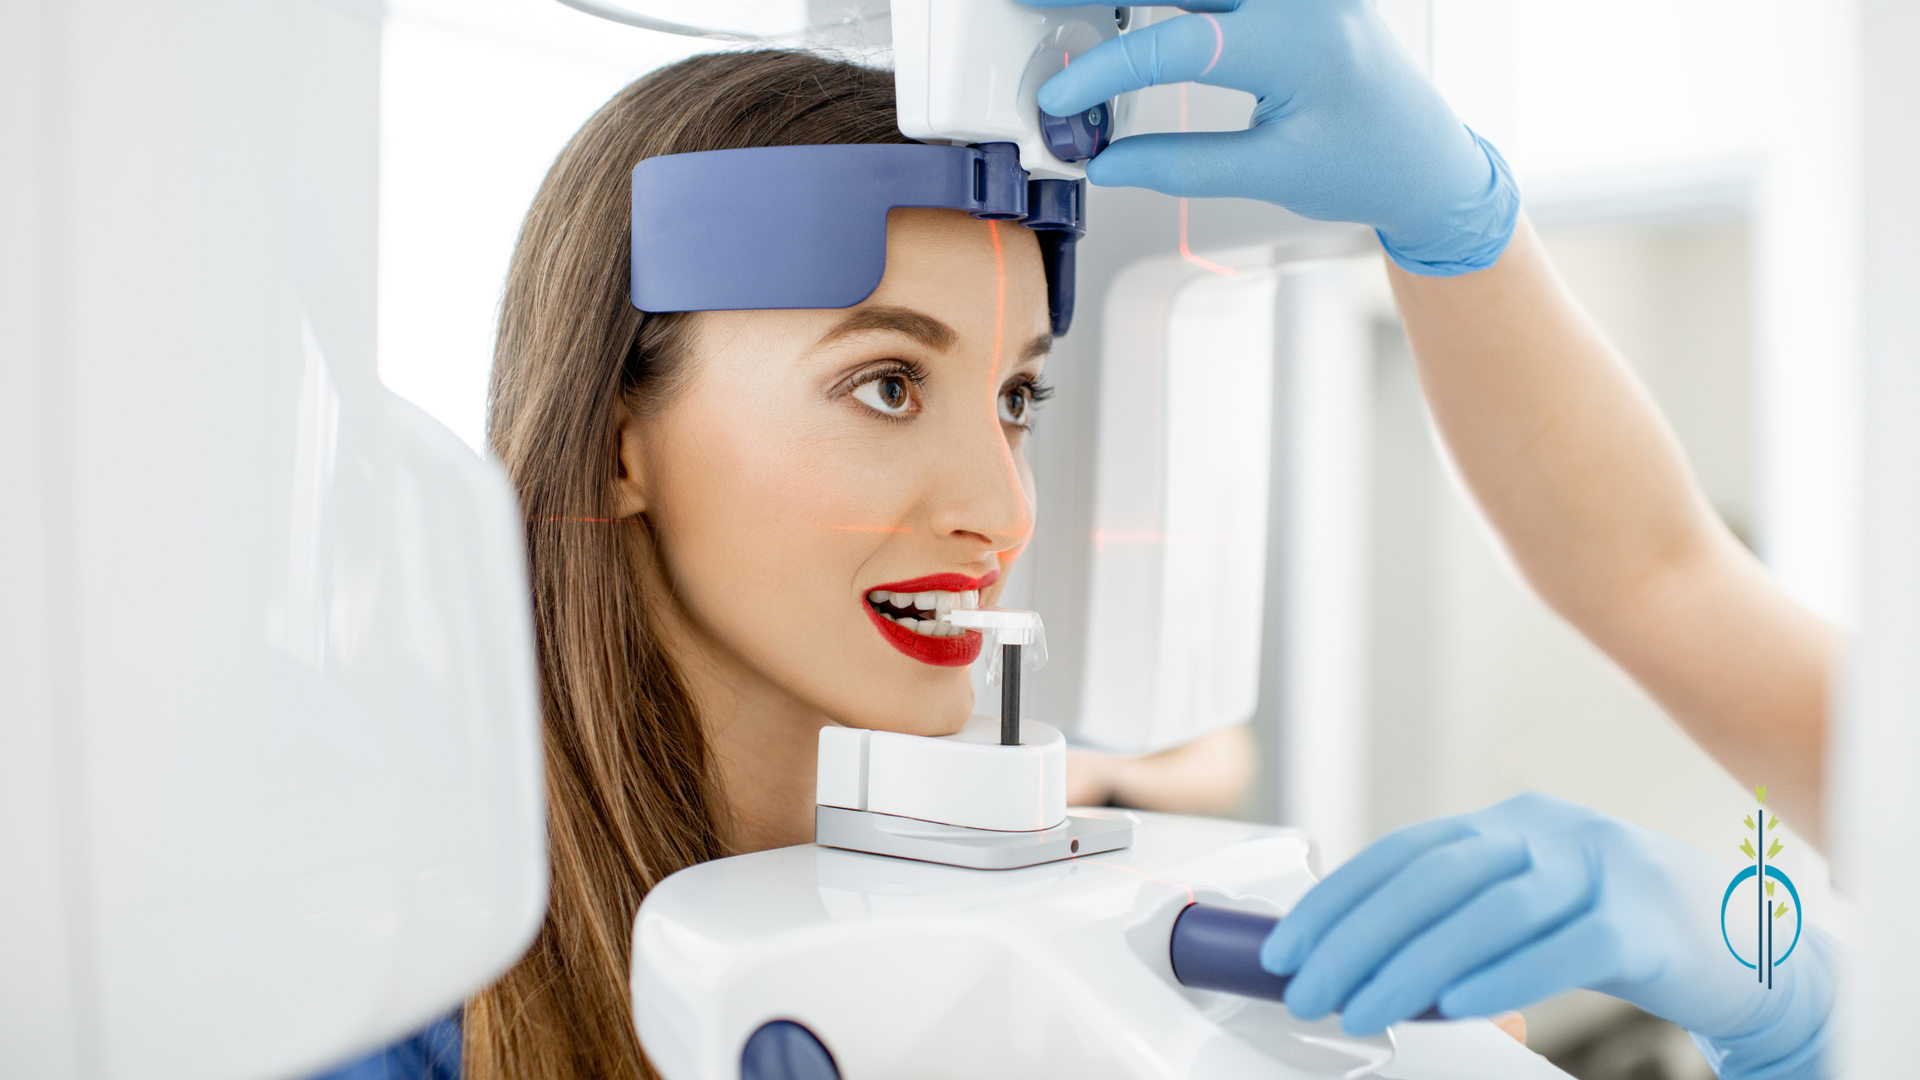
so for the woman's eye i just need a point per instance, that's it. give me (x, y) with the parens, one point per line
(1015, 403)
(890, 394)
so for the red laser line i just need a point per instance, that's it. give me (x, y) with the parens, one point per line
(1139, 874)
(1025, 528)
(999, 296)
(1186, 252)
(1101, 536)
(1219, 43)
(1039, 789)
(999, 337)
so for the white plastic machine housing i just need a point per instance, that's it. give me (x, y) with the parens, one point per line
(270, 784)
(1056, 971)
(966, 779)
(991, 796)
(1177, 575)
(970, 71)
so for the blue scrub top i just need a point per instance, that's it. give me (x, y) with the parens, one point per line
(432, 1053)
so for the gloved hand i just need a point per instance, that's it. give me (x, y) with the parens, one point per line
(1493, 910)
(1347, 128)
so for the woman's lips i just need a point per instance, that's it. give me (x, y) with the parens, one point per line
(939, 583)
(958, 650)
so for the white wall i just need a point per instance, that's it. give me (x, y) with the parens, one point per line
(477, 97)
(1322, 448)
(1873, 787)
(1634, 85)
(1808, 287)
(1640, 106)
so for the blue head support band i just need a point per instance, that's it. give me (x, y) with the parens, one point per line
(806, 226)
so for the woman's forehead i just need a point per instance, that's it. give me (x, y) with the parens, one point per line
(961, 269)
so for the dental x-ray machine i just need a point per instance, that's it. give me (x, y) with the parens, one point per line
(954, 917)
(269, 753)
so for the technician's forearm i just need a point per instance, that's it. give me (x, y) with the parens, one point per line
(1572, 463)
(1558, 441)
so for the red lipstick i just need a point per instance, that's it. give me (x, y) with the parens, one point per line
(940, 583)
(957, 651)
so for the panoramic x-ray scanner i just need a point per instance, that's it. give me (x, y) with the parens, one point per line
(270, 784)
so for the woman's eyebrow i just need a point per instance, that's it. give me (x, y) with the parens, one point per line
(1036, 349)
(921, 327)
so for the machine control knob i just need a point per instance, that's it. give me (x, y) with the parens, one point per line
(1217, 948)
(784, 1050)
(1078, 137)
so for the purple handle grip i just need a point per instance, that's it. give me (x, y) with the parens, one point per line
(1216, 948)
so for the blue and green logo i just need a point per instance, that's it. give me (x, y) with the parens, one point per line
(1768, 908)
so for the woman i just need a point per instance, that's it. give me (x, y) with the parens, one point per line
(730, 516)
(733, 519)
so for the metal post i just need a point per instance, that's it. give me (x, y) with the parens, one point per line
(1009, 695)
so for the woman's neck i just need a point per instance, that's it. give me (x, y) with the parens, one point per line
(764, 745)
(762, 740)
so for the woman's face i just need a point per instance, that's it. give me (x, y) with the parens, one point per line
(820, 469)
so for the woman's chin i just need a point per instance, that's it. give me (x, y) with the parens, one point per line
(932, 716)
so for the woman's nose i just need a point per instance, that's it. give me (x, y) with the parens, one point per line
(980, 492)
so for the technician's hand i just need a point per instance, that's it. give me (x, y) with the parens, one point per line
(1502, 907)
(1347, 128)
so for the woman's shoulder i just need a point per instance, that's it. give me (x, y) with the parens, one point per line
(432, 1053)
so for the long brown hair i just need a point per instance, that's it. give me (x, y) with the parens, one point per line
(630, 789)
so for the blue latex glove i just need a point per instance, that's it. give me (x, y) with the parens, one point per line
(1497, 909)
(1347, 128)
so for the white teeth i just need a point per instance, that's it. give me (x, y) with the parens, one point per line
(929, 627)
(937, 604)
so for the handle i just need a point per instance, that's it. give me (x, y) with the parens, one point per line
(1216, 948)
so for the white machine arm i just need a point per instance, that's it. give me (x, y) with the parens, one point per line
(269, 761)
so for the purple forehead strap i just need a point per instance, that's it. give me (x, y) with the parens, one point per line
(806, 226)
